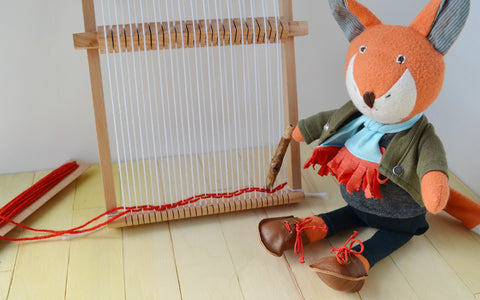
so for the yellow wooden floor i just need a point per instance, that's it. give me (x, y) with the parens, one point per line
(216, 257)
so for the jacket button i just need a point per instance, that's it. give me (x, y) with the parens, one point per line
(398, 170)
(326, 127)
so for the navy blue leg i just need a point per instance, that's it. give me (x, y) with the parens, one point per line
(383, 243)
(341, 219)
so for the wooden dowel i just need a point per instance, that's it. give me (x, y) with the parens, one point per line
(82, 167)
(152, 36)
(277, 160)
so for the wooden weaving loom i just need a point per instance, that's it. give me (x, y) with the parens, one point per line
(198, 94)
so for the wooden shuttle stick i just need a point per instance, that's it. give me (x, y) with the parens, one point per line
(33, 198)
(277, 159)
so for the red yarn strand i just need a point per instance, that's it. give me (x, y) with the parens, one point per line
(82, 229)
(22, 201)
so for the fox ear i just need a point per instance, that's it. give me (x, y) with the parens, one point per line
(441, 22)
(352, 17)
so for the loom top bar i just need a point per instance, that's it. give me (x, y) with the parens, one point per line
(96, 40)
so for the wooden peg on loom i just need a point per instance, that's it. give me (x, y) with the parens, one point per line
(38, 194)
(166, 35)
(277, 159)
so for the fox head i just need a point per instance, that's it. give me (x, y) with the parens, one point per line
(395, 72)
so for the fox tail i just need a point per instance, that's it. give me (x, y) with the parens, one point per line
(464, 209)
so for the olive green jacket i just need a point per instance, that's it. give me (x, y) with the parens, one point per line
(411, 154)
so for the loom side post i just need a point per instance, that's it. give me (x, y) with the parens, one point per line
(294, 178)
(99, 109)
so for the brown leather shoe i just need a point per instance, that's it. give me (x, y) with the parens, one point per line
(345, 271)
(279, 234)
(346, 278)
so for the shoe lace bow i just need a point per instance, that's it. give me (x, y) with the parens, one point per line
(300, 227)
(343, 253)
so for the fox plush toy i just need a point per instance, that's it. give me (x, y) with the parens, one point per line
(390, 164)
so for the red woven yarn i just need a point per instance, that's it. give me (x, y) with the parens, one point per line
(119, 212)
(22, 201)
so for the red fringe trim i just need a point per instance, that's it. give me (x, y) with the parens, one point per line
(355, 173)
(322, 156)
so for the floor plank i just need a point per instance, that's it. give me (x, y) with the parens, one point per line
(42, 266)
(428, 273)
(204, 267)
(5, 278)
(96, 262)
(458, 247)
(10, 187)
(149, 263)
(386, 281)
(261, 275)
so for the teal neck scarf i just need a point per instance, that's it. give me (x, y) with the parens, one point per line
(363, 142)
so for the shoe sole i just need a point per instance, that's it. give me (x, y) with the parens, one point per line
(340, 282)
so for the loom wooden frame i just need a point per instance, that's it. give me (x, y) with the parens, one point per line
(89, 41)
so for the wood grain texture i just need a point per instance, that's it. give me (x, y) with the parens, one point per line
(43, 266)
(98, 101)
(95, 268)
(10, 187)
(149, 263)
(205, 268)
(5, 277)
(259, 279)
(217, 257)
(290, 99)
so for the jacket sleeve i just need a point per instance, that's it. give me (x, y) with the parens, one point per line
(432, 156)
(312, 127)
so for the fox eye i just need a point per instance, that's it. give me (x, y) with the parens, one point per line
(401, 59)
(363, 49)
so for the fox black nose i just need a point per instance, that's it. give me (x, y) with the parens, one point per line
(369, 98)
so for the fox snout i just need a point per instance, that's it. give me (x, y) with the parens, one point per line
(369, 98)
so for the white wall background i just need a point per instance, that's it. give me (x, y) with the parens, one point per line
(46, 114)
